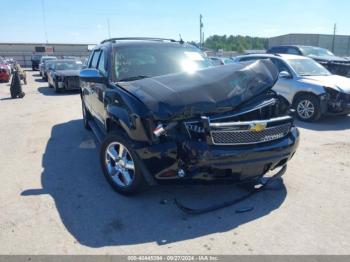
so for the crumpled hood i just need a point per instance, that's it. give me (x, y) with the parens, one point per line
(68, 72)
(208, 91)
(336, 82)
(330, 58)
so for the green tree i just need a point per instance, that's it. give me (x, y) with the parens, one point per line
(235, 43)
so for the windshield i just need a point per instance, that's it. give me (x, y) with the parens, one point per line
(134, 62)
(47, 58)
(315, 51)
(68, 65)
(308, 67)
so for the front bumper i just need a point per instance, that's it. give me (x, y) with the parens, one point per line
(199, 160)
(336, 104)
(69, 83)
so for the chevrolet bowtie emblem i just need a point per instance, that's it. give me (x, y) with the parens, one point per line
(257, 127)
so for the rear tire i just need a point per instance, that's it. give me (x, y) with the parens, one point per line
(307, 108)
(120, 165)
(57, 90)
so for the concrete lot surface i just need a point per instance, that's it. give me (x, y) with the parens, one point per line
(55, 200)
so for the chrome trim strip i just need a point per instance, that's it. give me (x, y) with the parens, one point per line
(266, 103)
(272, 120)
(270, 102)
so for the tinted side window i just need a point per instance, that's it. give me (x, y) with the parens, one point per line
(281, 66)
(278, 50)
(95, 59)
(101, 63)
(293, 51)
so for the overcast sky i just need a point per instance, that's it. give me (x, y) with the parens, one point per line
(83, 21)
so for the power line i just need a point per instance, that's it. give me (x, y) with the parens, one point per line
(44, 21)
(201, 30)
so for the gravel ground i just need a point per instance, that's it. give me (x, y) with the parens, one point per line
(54, 199)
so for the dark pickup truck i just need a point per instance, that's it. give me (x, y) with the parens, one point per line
(35, 61)
(163, 113)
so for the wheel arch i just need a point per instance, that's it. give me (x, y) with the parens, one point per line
(301, 93)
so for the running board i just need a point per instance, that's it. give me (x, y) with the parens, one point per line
(98, 134)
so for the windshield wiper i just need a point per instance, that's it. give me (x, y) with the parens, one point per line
(132, 78)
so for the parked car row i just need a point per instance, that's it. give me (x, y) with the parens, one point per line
(61, 74)
(7, 66)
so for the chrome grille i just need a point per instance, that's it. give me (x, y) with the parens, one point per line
(241, 137)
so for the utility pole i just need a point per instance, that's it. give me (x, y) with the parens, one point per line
(200, 31)
(334, 33)
(44, 21)
(109, 28)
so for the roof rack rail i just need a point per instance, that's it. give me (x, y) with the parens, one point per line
(138, 38)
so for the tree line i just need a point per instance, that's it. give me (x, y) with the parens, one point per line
(235, 43)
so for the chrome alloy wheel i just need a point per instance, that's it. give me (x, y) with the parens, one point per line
(120, 165)
(305, 109)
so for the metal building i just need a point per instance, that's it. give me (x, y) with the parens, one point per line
(339, 44)
(22, 52)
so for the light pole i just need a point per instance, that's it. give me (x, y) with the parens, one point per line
(334, 33)
(201, 31)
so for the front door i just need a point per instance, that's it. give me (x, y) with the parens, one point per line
(98, 90)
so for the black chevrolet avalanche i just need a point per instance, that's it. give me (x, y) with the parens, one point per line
(163, 113)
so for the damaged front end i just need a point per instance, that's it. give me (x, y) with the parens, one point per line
(232, 127)
(335, 102)
(235, 146)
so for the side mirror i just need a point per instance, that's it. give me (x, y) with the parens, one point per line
(92, 75)
(285, 75)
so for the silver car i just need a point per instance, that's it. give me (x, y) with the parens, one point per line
(217, 61)
(309, 87)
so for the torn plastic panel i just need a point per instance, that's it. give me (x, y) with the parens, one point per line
(336, 102)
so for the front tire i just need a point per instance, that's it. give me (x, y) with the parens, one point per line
(120, 165)
(57, 90)
(308, 108)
